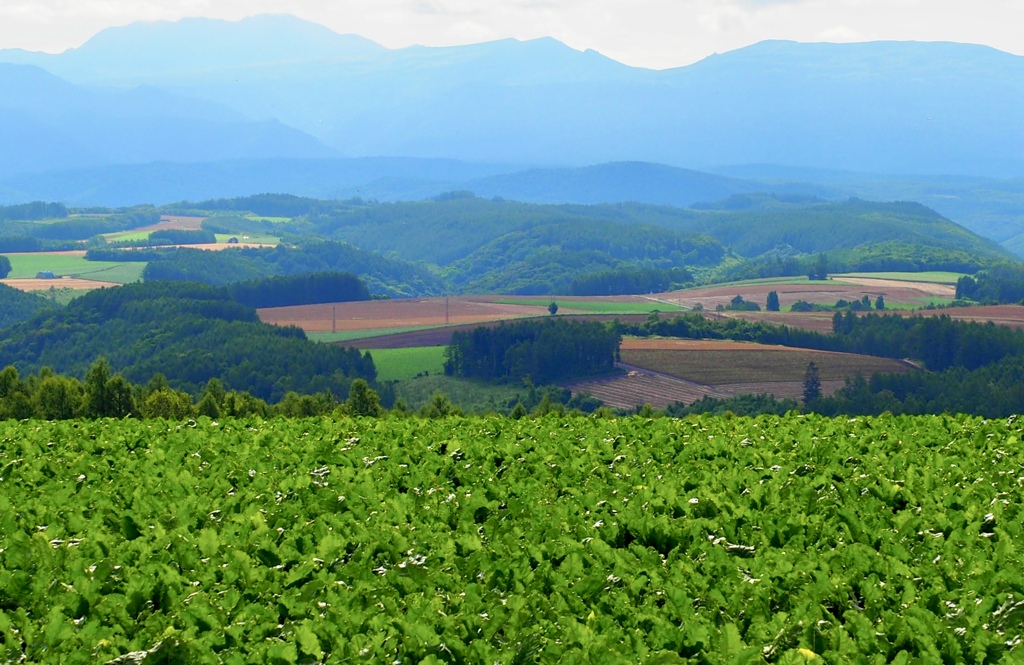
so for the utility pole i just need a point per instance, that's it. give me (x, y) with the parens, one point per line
(446, 310)
(334, 318)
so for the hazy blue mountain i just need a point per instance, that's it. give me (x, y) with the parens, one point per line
(194, 47)
(609, 183)
(384, 179)
(990, 207)
(882, 107)
(381, 178)
(47, 123)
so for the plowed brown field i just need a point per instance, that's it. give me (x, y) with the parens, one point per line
(59, 283)
(719, 363)
(379, 314)
(826, 293)
(638, 387)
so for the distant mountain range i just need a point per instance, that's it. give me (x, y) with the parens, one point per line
(884, 107)
(199, 109)
(47, 123)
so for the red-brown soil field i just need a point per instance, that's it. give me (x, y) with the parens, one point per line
(406, 313)
(176, 222)
(662, 371)
(825, 293)
(442, 336)
(717, 363)
(1005, 315)
(637, 387)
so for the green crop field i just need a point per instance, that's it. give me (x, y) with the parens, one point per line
(123, 236)
(483, 540)
(935, 277)
(24, 266)
(355, 335)
(254, 238)
(594, 306)
(472, 396)
(404, 364)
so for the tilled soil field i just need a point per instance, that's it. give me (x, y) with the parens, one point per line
(825, 293)
(59, 283)
(377, 314)
(754, 364)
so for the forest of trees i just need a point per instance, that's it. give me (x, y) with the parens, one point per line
(382, 275)
(37, 210)
(306, 289)
(188, 332)
(545, 351)
(629, 280)
(17, 306)
(997, 285)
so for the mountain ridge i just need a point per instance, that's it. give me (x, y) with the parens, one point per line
(882, 107)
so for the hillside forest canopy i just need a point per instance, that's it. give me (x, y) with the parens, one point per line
(498, 246)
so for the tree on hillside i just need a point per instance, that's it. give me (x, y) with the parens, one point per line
(5, 266)
(812, 384)
(820, 269)
(553, 308)
(362, 400)
(880, 303)
(772, 305)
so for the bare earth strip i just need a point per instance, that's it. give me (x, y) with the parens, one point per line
(639, 387)
(757, 364)
(688, 370)
(176, 222)
(668, 344)
(443, 336)
(59, 283)
(931, 288)
(826, 292)
(406, 313)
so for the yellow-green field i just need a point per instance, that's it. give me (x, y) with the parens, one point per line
(26, 266)
(251, 238)
(404, 364)
(935, 276)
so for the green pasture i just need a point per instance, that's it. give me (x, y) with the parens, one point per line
(472, 396)
(127, 236)
(353, 335)
(404, 364)
(934, 276)
(594, 306)
(26, 266)
(260, 238)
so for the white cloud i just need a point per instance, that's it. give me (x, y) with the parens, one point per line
(655, 33)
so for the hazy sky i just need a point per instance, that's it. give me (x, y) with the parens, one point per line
(649, 33)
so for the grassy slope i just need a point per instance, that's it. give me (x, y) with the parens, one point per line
(24, 266)
(404, 364)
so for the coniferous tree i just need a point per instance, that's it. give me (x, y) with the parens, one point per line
(812, 384)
